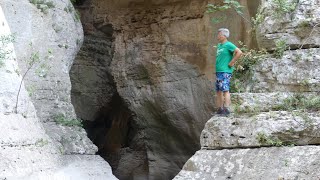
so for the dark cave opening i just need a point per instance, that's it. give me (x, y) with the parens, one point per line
(110, 130)
(106, 117)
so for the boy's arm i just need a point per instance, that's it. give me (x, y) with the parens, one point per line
(236, 56)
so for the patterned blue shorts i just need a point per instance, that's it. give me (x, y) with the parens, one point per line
(223, 81)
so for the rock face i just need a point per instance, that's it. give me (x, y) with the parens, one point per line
(282, 110)
(26, 149)
(260, 163)
(296, 71)
(151, 102)
(50, 35)
(296, 23)
(264, 129)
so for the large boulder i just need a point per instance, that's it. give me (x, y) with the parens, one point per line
(265, 129)
(301, 162)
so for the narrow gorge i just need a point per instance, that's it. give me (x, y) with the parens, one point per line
(124, 89)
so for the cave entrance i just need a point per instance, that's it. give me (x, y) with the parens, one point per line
(96, 101)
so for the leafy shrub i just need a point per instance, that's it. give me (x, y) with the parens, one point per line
(281, 47)
(242, 76)
(282, 7)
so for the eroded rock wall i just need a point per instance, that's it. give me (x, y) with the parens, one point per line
(162, 69)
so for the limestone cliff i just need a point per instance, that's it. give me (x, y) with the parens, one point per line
(275, 134)
(39, 40)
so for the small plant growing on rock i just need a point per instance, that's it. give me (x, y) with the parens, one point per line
(42, 142)
(242, 76)
(43, 5)
(281, 46)
(263, 139)
(64, 121)
(41, 71)
(299, 102)
(227, 4)
(282, 7)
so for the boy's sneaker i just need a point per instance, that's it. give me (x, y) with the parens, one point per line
(220, 111)
(226, 111)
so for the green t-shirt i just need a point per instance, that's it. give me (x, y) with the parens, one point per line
(224, 56)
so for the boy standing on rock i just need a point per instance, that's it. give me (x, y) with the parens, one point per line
(227, 55)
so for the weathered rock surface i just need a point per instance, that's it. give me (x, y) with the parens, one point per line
(275, 80)
(297, 27)
(53, 36)
(92, 82)
(82, 167)
(264, 102)
(47, 28)
(296, 71)
(26, 150)
(301, 162)
(161, 68)
(265, 129)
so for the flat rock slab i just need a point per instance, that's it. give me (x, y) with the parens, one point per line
(76, 167)
(18, 130)
(255, 102)
(273, 128)
(17, 161)
(300, 162)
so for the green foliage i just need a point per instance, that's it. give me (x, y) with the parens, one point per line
(42, 142)
(281, 46)
(74, 1)
(33, 60)
(76, 13)
(77, 16)
(63, 120)
(31, 90)
(4, 41)
(242, 76)
(282, 7)
(258, 19)
(43, 5)
(299, 102)
(304, 24)
(227, 4)
(263, 139)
